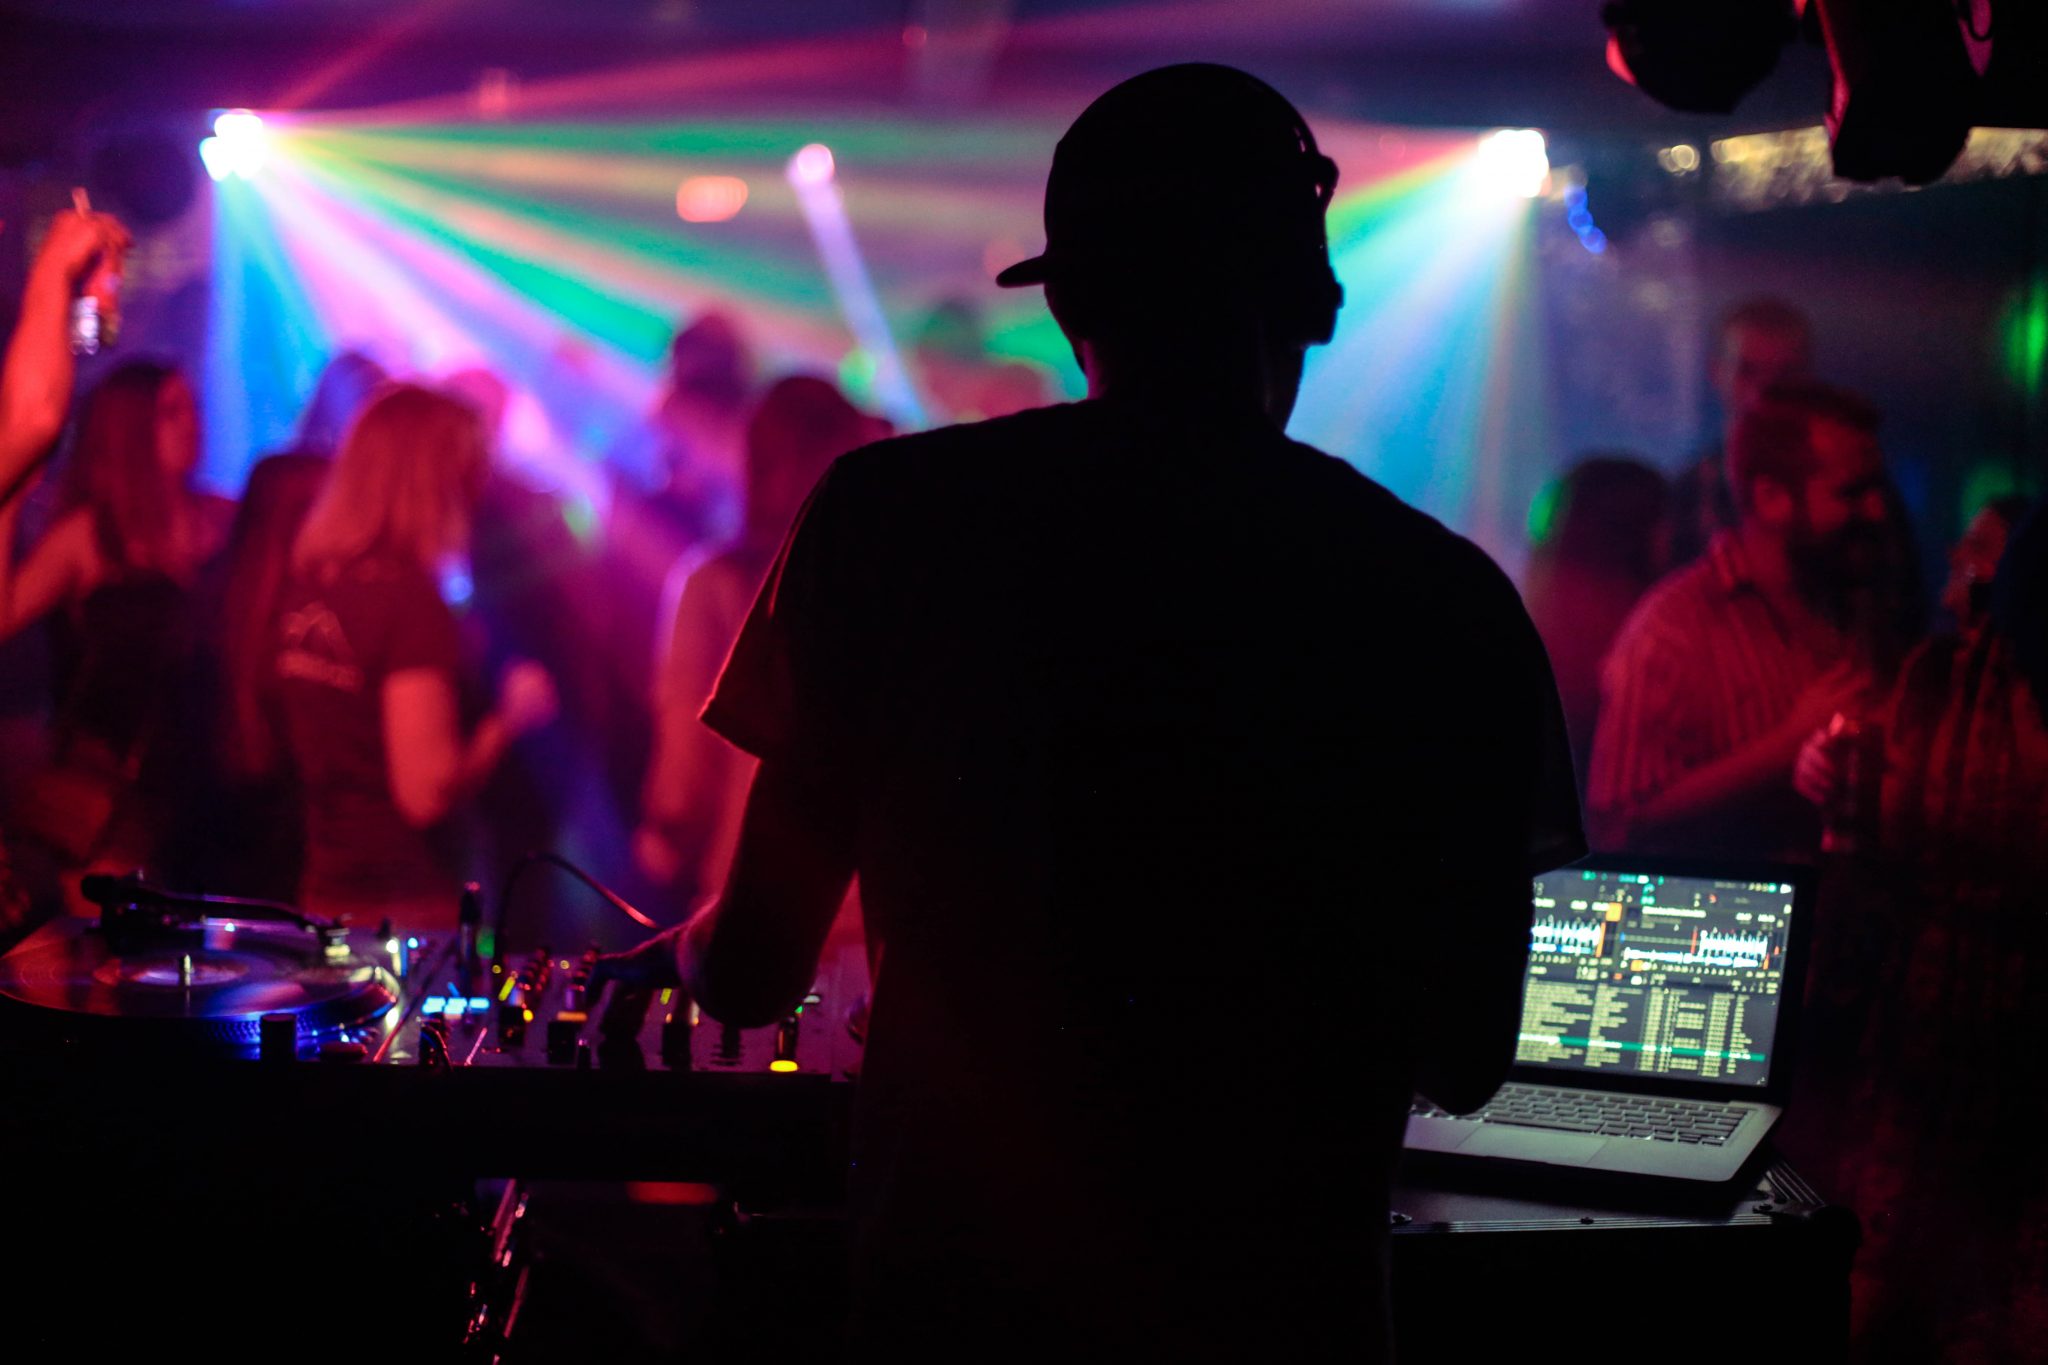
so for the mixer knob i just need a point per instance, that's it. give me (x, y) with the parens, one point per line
(564, 1032)
(676, 1031)
(278, 1037)
(785, 1045)
(729, 1044)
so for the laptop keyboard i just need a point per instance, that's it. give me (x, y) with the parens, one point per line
(1605, 1114)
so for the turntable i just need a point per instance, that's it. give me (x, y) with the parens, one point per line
(181, 974)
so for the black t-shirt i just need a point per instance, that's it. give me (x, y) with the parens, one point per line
(1162, 731)
(339, 640)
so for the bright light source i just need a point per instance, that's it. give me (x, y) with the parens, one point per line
(1516, 160)
(1680, 160)
(240, 146)
(812, 165)
(710, 198)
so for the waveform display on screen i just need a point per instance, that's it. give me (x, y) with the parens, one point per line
(1552, 935)
(1678, 976)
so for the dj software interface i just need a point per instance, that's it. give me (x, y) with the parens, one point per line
(1645, 973)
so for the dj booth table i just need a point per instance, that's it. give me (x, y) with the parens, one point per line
(1486, 1269)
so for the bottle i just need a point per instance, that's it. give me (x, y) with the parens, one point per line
(1850, 822)
(96, 312)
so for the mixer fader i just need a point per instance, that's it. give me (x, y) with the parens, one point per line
(542, 1012)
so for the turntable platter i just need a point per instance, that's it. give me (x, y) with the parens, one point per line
(67, 981)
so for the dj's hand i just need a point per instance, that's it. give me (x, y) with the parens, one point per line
(651, 966)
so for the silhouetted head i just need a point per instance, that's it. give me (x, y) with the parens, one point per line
(345, 385)
(1184, 234)
(802, 425)
(1760, 344)
(952, 329)
(1973, 560)
(1612, 518)
(138, 443)
(710, 363)
(275, 502)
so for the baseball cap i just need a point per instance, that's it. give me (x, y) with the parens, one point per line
(1182, 169)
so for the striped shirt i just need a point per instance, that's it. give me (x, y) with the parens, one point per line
(1704, 665)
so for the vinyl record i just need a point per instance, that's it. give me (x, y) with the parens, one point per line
(209, 993)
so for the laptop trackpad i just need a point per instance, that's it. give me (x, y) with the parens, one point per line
(1533, 1144)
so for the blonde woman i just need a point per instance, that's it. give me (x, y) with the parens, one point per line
(368, 665)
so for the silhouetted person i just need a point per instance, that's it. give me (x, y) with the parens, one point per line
(676, 499)
(344, 386)
(247, 836)
(35, 397)
(697, 784)
(1171, 756)
(533, 586)
(1923, 1114)
(1728, 665)
(1759, 343)
(114, 574)
(1609, 540)
(957, 376)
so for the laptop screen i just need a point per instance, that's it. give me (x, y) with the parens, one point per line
(1643, 973)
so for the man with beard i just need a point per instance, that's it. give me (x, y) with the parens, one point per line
(1729, 664)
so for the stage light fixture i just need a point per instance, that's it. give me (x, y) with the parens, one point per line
(1907, 87)
(812, 165)
(1905, 91)
(240, 145)
(1701, 56)
(1516, 161)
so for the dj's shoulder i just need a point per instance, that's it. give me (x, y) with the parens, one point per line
(1427, 544)
(942, 443)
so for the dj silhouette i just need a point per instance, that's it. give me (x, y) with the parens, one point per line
(1185, 772)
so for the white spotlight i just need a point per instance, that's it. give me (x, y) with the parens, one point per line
(812, 165)
(1516, 160)
(240, 145)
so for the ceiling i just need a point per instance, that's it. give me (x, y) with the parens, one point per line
(70, 67)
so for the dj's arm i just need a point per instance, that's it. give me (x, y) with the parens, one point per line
(1469, 1024)
(752, 954)
(1507, 806)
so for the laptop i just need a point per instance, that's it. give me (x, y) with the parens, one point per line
(1660, 1005)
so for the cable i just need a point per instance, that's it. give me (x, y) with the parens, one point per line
(556, 860)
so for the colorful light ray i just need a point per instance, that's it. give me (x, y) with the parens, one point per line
(266, 340)
(1431, 383)
(812, 172)
(552, 253)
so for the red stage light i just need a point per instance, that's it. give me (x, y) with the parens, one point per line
(710, 198)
